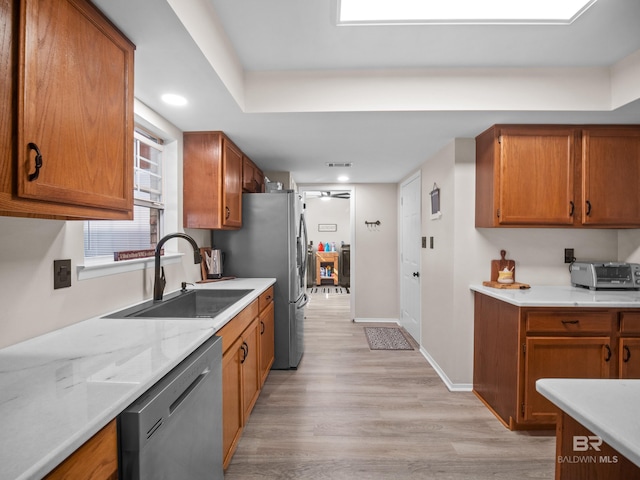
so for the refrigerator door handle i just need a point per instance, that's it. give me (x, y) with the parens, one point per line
(305, 300)
(302, 244)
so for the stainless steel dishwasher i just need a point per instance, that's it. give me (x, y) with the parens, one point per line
(174, 430)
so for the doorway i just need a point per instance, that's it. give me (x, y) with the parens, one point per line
(411, 197)
(329, 216)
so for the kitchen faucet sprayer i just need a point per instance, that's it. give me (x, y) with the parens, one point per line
(159, 280)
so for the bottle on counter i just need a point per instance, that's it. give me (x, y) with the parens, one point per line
(320, 247)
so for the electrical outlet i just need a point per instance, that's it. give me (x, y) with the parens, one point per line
(61, 274)
(568, 255)
(424, 242)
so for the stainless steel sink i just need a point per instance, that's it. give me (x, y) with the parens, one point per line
(187, 304)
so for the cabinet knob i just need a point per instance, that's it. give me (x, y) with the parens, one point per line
(34, 176)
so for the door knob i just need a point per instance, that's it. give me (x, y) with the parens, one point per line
(416, 274)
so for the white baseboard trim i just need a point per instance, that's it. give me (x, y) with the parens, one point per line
(377, 320)
(453, 387)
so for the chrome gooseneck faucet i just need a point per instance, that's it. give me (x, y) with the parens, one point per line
(159, 280)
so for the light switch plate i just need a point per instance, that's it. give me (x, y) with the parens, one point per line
(61, 274)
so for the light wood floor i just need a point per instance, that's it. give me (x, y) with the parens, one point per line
(352, 413)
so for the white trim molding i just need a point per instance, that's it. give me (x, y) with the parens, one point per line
(453, 387)
(377, 320)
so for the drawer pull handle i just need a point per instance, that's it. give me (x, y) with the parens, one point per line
(608, 355)
(261, 327)
(572, 208)
(228, 213)
(588, 212)
(245, 351)
(570, 322)
(626, 356)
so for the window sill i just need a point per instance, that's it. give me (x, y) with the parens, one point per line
(101, 267)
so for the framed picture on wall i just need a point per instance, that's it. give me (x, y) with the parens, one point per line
(435, 202)
(327, 227)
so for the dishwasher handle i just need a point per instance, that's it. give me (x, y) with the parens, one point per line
(183, 396)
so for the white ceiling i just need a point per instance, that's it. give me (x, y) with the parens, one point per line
(294, 90)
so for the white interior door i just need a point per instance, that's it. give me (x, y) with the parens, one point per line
(410, 256)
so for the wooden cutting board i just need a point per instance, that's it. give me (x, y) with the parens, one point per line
(514, 285)
(497, 265)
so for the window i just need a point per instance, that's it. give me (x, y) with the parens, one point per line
(103, 238)
(412, 12)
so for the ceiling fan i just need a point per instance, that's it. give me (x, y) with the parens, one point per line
(341, 195)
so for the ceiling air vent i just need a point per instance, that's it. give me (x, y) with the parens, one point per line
(334, 164)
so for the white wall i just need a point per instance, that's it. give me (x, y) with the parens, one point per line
(462, 256)
(375, 285)
(28, 247)
(331, 211)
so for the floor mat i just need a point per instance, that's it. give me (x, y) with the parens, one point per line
(328, 289)
(386, 338)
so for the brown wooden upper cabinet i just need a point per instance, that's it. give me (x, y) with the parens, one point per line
(611, 176)
(252, 177)
(558, 176)
(66, 112)
(212, 194)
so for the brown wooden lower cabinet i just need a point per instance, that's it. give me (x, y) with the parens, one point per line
(568, 357)
(267, 341)
(247, 355)
(97, 459)
(585, 462)
(515, 346)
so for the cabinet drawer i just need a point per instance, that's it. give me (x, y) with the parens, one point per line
(265, 298)
(630, 322)
(232, 330)
(569, 322)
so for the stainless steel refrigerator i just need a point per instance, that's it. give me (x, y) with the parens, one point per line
(272, 243)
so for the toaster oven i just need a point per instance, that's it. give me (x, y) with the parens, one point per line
(605, 275)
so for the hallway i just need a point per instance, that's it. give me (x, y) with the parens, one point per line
(352, 413)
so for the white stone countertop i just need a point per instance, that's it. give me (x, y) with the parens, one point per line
(607, 407)
(563, 296)
(57, 390)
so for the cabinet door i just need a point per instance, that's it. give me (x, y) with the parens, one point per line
(267, 346)
(248, 174)
(611, 176)
(629, 354)
(232, 414)
(536, 177)
(560, 357)
(250, 367)
(97, 459)
(232, 192)
(75, 107)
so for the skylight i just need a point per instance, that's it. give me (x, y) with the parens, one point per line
(415, 12)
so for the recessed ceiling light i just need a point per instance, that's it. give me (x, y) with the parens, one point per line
(381, 12)
(343, 178)
(173, 99)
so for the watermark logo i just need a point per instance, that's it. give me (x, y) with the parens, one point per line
(587, 443)
(584, 443)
